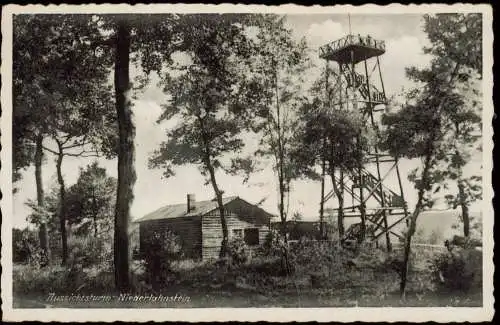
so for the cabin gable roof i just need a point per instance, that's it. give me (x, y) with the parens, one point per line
(233, 204)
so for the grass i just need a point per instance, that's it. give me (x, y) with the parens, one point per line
(323, 277)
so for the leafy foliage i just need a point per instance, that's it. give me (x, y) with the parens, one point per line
(458, 271)
(88, 251)
(421, 129)
(209, 93)
(25, 248)
(457, 36)
(336, 136)
(60, 91)
(239, 253)
(60, 83)
(163, 248)
(278, 64)
(90, 202)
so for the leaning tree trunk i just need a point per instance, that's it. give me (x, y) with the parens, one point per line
(413, 226)
(43, 233)
(62, 205)
(126, 171)
(218, 194)
(425, 180)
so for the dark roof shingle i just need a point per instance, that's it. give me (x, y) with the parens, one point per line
(180, 210)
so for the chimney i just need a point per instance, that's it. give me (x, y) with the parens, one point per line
(191, 203)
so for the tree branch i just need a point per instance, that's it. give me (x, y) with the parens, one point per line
(83, 153)
(50, 150)
(83, 156)
(77, 144)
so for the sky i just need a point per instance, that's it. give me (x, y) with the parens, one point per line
(404, 41)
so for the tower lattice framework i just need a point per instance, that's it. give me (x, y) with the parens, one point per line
(358, 86)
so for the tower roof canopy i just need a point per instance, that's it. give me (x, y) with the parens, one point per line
(361, 47)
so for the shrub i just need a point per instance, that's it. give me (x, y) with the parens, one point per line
(26, 249)
(311, 253)
(163, 247)
(272, 244)
(28, 280)
(458, 271)
(90, 251)
(320, 259)
(238, 251)
(99, 281)
(270, 266)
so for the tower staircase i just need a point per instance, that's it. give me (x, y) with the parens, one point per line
(393, 204)
(372, 201)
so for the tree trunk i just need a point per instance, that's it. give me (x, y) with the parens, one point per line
(340, 198)
(62, 205)
(413, 226)
(218, 194)
(126, 171)
(322, 202)
(43, 233)
(94, 212)
(362, 207)
(465, 209)
(462, 196)
(279, 155)
(281, 186)
(421, 191)
(281, 177)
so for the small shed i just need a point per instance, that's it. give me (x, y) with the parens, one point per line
(198, 225)
(297, 230)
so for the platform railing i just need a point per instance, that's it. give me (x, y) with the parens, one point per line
(349, 40)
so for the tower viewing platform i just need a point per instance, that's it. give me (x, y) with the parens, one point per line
(361, 47)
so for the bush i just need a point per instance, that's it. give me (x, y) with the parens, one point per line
(314, 253)
(163, 247)
(238, 251)
(458, 271)
(28, 280)
(270, 246)
(273, 252)
(26, 248)
(319, 259)
(90, 251)
(270, 266)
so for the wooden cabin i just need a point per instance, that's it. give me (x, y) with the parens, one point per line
(198, 225)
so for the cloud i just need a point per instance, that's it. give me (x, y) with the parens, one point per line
(401, 52)
(319, 34)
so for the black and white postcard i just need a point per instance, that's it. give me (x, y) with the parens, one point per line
(247, 163)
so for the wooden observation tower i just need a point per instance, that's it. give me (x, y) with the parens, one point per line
(358, 86)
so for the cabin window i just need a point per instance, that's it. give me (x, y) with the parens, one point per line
(252, 236)
(238, 233)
